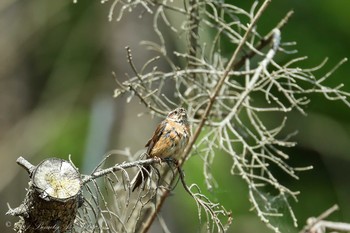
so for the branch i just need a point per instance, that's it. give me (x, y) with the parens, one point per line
(318, 225)
(222, 81)
(263, 42)
(209, 207)
(250, 85)
(119, 167)
(212, 99)
(25, 164)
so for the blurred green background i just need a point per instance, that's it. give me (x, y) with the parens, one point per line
(56, 99)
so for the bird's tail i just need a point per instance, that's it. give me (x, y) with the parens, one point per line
(141, 176)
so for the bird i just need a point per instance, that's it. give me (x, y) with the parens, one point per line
(168, 141)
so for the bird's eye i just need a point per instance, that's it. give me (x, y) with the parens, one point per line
(175, 112)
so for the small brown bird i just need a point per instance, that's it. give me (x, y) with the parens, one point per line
(168, 141)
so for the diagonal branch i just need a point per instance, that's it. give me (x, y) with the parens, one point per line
(212, 99)
(263, 42)
(222, 81)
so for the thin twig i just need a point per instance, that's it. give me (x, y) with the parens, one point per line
(315, 223)
(131, 62)
(25, 164)
(193, 32)
(145, 102)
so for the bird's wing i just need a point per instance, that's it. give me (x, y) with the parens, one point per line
(157, 134)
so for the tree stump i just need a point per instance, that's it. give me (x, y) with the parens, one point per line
(53, 197)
